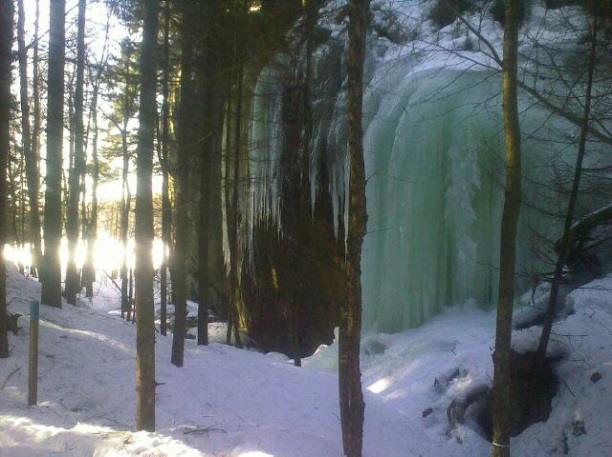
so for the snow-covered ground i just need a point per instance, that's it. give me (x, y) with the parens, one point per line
(239, 403)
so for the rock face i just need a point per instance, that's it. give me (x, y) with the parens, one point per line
(13, 323)
(534, 385)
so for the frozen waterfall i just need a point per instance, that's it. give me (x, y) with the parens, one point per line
(435, 168)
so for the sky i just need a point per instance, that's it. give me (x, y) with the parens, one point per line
(97, 15)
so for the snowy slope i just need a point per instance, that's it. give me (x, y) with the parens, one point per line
(401, 369)
(224, 402)
(228, 402)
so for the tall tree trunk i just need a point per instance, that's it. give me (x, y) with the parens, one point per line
(512, 204)
(12, 196)
(52, 276)
(228, 207)
(31, 159)
(186, 144)
(89, 274)
(233, 214)
(92, 229)
(36, 129)
(126, 199)
(203, 234)
(216, 289)
(89, 270)
(294, 167)
(22, 204)
(351, 397)
(77, 172)
(166, 215)
(131, 296)
(208, 74)
(145, 329)
(6, 44)
(566, 241)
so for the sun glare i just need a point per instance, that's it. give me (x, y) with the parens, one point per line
(109, 253)
(379, 386)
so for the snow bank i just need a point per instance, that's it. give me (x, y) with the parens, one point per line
(421, 371)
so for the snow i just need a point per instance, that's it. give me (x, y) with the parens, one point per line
(239, 403)
(224, 402)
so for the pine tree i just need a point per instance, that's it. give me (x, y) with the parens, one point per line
(502, 405)
(166, 215)
(77, 171)
(232, 179)
(89, 272)
(52, 277)
(6, 44)
(126, 195)
(29, 151)
(187, 128)
(36, 127)
(145, 329)
(213, 74)
(351, 397)
(210, 220)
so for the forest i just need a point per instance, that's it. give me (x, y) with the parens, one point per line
(305, 228)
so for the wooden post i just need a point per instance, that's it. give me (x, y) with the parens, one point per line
(33, 359)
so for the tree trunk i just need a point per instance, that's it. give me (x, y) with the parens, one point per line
(209, 80)
(52, 277)
(351, 397)
(126, 199)
(166, 215)
(566, 239)
(89, 270)
(216, 259)
(187, 128)
(22, 205)
(36, 129)
(234, 214)
(228, 206)
(31, 158)
(145, 329)
(501, 378)
(77, 172)
(13, 235)
(130, 304)
(6, 44)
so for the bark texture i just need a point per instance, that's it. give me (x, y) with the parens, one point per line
(36, 129)
(351, 397)
(166, 215)
(512, 204)
(6, 42)
(145, 311)
(29, 152)
(52, 277)
(187, 128)
(77, 171)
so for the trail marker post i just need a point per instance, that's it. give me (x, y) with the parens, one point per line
(33, 357)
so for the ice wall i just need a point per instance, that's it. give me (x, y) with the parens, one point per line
(434, 158)
(435, 167)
